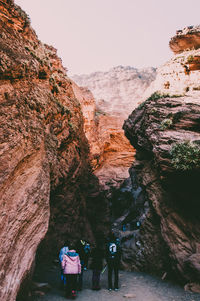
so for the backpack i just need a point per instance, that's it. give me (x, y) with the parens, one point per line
(112, 249)
(86, 248)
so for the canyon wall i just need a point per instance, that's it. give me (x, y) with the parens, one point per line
(116, 92)
(165, 130)
(44, 170)
(180, 75)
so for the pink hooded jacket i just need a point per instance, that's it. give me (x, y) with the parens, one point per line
(71, 263)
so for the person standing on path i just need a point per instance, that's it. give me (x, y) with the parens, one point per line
(71, 268)
(113, 256)
(63, 252)
(80, 250)
(97, 256)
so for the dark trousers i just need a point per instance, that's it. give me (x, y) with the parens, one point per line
(71, 283)
(96, 279)
(80, 280)
(113, 266)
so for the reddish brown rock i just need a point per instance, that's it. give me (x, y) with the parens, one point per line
(110, 152)
(44, 166)
(172, 195)
(186, 39)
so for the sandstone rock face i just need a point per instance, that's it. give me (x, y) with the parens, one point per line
(163, 181)
(88, 107)
(111, 153)
(116, 92)
(181, 74)
(167, 202)
(119, 90)
(44, 152)
(186, 39)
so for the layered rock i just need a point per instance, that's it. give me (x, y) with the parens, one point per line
(111, 154)
(165, 132)
(116, 92)
(119, 90)
(181, 74)
(44, 153)
(185, 39)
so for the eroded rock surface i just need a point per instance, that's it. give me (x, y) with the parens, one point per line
(44, 153)
(181, 74)
(171, 195)
(160, 229)
(119, 90)
(185, 39)
(116, 93)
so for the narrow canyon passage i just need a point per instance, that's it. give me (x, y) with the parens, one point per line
(133, 286)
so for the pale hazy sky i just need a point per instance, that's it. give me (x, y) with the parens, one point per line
(93, 35)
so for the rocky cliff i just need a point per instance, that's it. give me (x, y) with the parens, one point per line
(180, 75)
(116, 93)
(119, 90)
(166, 134)
(44, 167)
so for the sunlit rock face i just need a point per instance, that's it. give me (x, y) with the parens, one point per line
(181, 74)
(185, 39)
(44, 152)
(165, 185)
(110, 151)
(116, 93)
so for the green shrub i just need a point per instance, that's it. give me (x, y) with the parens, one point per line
(185, 156)
(157, 95)
(153, 96)
(190, 59)
(166, 124)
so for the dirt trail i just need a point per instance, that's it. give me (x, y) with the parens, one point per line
(141, 286)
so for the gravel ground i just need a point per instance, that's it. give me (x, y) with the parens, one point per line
(139, 286)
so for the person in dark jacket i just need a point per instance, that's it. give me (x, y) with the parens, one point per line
(80, 250)
(113, 256)
(97, 256)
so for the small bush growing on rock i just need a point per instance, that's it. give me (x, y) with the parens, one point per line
(166, 124)
(190, 59)
(99, 112)
(185, 156)
(157, 95)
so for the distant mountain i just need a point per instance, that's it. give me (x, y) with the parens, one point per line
(119, 90)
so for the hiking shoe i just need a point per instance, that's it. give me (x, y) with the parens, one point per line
(110, 289)
(116, 289)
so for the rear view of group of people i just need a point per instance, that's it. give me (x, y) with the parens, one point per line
(74, 260)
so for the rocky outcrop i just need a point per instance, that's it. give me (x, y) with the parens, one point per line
(186, 39)
(165, 132)
(88, 107)
(180, 75)
(112, 153)
(44, 166)
(119, 90)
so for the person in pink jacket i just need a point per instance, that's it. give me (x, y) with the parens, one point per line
(71, 268)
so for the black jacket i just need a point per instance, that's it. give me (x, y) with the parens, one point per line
(113, 252)
(97, 256)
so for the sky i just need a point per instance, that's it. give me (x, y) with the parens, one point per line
(96, 35)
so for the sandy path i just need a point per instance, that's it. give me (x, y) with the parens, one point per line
(143, 287)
